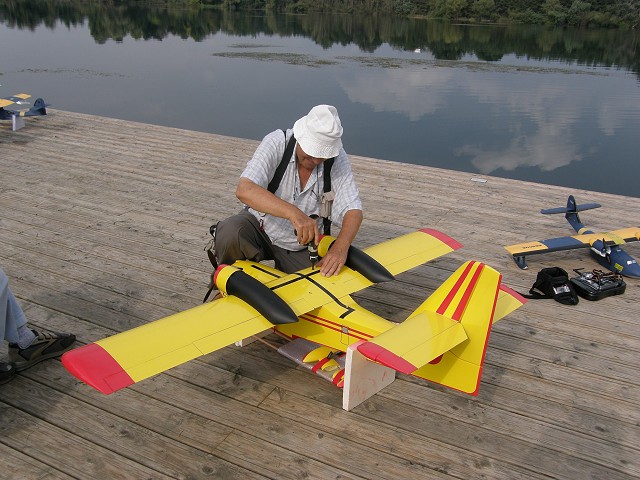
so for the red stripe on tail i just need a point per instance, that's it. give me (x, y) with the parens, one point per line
(457, 315)
(451, 295)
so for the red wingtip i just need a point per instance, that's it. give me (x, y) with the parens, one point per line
(513, 293)
(97, 368)
(444, 238)
(385, 357)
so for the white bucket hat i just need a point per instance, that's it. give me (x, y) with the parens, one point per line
(319, 132)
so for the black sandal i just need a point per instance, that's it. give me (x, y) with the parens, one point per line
(7, 372)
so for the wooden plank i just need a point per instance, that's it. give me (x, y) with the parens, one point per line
(106, 231)
(19, 465)
(61, 449)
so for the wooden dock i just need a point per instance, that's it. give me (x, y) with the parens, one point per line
(102, 228)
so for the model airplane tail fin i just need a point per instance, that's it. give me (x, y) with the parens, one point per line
(470, 296)
(445, 339)
(39, 108)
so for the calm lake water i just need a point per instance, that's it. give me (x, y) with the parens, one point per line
(558, 107)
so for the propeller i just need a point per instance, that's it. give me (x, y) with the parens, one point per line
(606, 251)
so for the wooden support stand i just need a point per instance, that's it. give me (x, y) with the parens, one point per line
(17, 122)
(363, 378)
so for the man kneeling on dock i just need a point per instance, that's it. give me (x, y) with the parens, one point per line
(297, 181)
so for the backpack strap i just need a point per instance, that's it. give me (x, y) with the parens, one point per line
(326, 221)
(282, 167)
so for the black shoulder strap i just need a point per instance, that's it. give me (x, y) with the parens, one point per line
(282, 167)
(327, 174)
(326, 222)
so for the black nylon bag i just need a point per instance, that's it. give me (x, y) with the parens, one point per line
(553, 282)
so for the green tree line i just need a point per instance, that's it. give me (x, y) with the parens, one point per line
(447, 41)
(593, 13)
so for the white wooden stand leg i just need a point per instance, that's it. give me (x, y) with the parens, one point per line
(17, 122)
(363, 378)
(253, 338)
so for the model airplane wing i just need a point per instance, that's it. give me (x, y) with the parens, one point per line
(408, 251)
(129, 357)
(15, 99)
(307, 289)
(585, 240)
(508, 301)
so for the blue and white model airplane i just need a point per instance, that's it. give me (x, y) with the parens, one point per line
(17, 106)
(604, 246)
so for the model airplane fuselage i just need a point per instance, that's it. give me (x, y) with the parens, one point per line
(443, 340)
(604, 246)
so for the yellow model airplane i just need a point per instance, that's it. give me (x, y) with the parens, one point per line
(444, 340)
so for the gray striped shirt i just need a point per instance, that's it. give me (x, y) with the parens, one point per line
(261, 169)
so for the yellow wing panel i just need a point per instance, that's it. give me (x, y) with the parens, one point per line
(408, 251)
(617, 237)
(508, 301)
(5, 102)
(453, 373)
(525, 248)
(129, 357)
(307, 289)
(627, 233)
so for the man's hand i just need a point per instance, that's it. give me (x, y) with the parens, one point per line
(336, 257)
(334, 260)
(306, 228)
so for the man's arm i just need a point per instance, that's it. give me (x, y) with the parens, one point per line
(336, 257)
(263, 200)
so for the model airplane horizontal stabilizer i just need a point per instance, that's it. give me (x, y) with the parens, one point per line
(604, 246)
(326, 315)
(416, 341)
(572, 209)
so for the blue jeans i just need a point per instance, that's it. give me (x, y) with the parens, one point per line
(11, 315)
